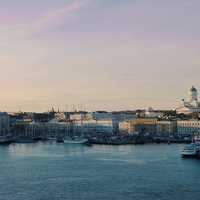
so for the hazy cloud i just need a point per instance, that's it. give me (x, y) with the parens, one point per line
(58, 16)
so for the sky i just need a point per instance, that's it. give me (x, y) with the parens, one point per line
(98, 54)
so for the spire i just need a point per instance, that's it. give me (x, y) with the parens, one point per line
(193, 94)
(193, 89)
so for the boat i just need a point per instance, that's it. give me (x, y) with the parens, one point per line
(5, 140)
(59, 140)
(88, 143)
(191, 150)
(24, 140)
(75, 140)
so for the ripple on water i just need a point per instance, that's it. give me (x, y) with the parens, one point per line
(54, 171)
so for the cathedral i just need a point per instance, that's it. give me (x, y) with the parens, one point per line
(191, 106)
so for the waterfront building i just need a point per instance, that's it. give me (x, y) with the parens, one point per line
(188, 127)
(95, 123)
(191, 106)
(61, 116)
(84, 127)
(150, 112)
(46, 130)
(99, 115)
(143, 125)
(4, 123)
(124, 127)
(124, 115)
(166, 128)
(55, 128)
(89, 126)
(118, 116)
(77, 116)
(93, 126)
(108, 126)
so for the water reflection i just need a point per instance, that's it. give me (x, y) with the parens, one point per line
(67, 171)
(46, 149)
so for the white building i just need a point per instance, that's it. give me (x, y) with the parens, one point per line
(47, 130)
(77, 116)
(150, 112)
(100, 126)
(188, 127)
(109, 126)
(124, 127)
(85, 126)
(191, 106)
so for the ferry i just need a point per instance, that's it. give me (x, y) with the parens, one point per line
(192, 150)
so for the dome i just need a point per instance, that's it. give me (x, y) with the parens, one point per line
(193, 89)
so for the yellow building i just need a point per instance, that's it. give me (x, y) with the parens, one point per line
(143, 125)
(166, 127)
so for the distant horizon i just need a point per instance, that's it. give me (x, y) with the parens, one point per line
(81, 107)
(77, 111)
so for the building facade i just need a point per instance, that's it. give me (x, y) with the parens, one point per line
(188, 127)
(150, 112)
(124, 127)
(94, 126)
(44, 130)
(166, 128)
(4, 123)
(143, 126)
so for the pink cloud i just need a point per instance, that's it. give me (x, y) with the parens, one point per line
(58, 16)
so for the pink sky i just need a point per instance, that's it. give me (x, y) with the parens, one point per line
(98, 54)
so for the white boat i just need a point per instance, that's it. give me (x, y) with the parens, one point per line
(75, 140)
(191, 150)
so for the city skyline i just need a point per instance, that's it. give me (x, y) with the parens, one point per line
(99, 54)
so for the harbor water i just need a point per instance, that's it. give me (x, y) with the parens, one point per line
(52, 171)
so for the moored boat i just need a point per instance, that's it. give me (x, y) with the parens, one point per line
(5, 140)
(59, 140)
(191, 150)
(24, 140)
(75, 140)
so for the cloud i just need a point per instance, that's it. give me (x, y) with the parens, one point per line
(58, 16)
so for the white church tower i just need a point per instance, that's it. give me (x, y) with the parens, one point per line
(193, 94)
(193, 105)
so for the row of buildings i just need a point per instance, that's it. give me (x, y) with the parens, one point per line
(158, 127)
(151, 126)
(4, 123)
(184, 121)
(90, 126)
(67, 125)
(152, 122)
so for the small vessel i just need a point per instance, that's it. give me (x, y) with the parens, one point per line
(191, 150)
(88, 143)
(75, 140)
(5, 140)
(24, 140)
(59, 140)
